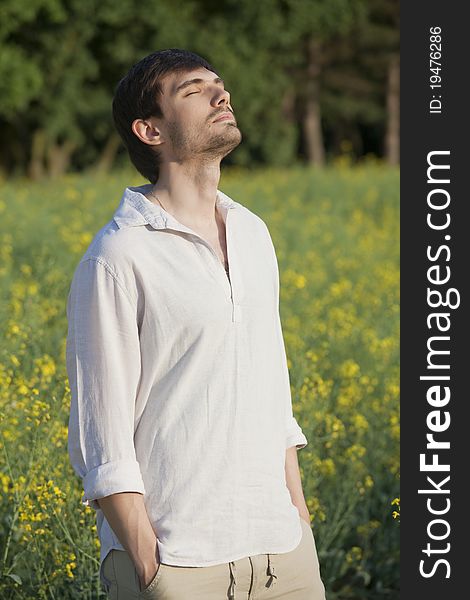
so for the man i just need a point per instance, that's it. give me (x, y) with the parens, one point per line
(181, 424)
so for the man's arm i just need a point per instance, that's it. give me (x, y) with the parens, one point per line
(126, 514)
(294, 483)
(104, 369)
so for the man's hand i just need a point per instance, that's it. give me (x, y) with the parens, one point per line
(146, 575)
(294, 483)
(128, 518)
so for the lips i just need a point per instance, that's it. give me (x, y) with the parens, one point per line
(224, 116)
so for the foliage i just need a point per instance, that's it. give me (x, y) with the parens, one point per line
(60, 61)
(336, 237)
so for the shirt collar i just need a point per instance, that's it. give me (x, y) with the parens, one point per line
(135, 209)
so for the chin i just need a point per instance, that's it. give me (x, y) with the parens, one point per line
(223, 143)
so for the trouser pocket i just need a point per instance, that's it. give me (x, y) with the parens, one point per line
(121, 578)
(152, 585)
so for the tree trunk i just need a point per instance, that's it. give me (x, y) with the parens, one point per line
(36, 163)
(58, 157)
(312, 114)
(288, 106)
(392, 134)
(108, 154)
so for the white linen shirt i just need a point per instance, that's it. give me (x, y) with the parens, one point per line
(179, 383)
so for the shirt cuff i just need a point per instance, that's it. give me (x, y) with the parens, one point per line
(111, 478)
(295, 435)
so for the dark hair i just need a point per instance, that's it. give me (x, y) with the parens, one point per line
(137, 96)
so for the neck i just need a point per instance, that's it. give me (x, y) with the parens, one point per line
(188, 191)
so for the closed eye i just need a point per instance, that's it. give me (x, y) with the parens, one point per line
(191, 93)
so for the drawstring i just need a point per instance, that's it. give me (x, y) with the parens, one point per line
(231, 591)
(271, 571)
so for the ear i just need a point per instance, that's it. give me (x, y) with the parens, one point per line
(147, 131)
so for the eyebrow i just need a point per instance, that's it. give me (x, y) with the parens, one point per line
(189, 82)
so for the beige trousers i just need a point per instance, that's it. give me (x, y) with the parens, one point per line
(293, 575)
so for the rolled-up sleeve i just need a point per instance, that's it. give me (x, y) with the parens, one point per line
(294, 433)
(104, 366)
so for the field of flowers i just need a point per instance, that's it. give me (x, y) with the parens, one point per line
(336, 234)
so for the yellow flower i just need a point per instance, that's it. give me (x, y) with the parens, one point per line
(327, 467)
(26, 269)
(354, 555)
(360, 422)
(349, 368)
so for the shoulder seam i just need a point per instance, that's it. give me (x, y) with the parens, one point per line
(113, 274)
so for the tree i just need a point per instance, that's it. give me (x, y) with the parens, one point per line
(65, 58)
(312, 27)
(379, 50)
(304, 74)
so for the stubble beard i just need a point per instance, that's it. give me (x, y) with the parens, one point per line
(190, 145)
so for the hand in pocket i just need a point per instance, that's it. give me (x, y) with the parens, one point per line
(145, 582)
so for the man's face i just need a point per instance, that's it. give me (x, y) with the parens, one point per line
(190, 103)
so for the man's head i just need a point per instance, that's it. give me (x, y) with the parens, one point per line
(164, 109)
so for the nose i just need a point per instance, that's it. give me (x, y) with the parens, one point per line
(221, 97)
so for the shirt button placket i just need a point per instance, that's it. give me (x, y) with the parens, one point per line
(236, 313)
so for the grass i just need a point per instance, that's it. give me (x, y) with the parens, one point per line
(336, 233)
